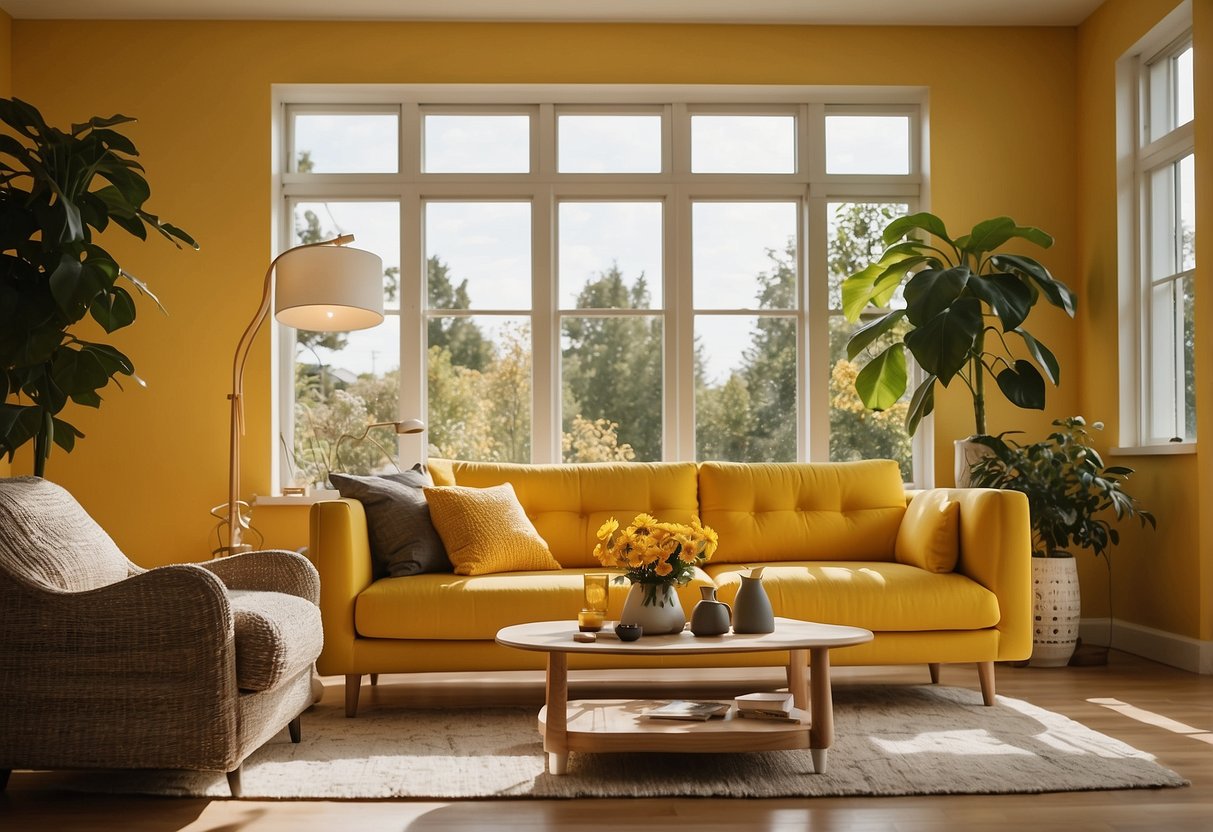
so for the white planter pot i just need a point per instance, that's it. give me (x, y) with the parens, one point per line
(966, 453)
(664, 615)
(1056, 611)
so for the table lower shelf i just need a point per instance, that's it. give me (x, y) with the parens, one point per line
(606, 725)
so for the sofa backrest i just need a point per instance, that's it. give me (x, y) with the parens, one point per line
(47, 538)
(567, 503)
(806, 511)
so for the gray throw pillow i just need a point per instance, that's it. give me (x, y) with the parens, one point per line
(403, 540)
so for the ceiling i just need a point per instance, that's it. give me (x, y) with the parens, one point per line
(820, 12)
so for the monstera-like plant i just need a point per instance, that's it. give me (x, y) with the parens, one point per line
(965, 305)
(57, 189)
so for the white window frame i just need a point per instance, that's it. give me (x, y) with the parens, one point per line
(545, 187)
(1139, 158)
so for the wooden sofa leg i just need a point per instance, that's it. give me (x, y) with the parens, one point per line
(295, 726)
(985, 672)
(934, 668)
(374, 679)
(233, 781)
(353, 682)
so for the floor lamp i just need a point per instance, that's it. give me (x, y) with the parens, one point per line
(323, 286)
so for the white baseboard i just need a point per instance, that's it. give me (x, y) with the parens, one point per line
(1157, 645)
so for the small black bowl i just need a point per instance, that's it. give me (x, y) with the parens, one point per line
(628, 632)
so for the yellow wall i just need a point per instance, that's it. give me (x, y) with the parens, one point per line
(154, 461)
(1161, 579)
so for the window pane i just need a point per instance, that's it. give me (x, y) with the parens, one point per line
(610, 255)
(612, 388)
(855, 431)
(478, 255)
(743, 255)
(1182, 67)
(344, 381)
(743, 144)
(609, 144)
(745, 388)
(1186, 173)
(375, 226)
(854, 239)
(354, 143)
(479, 381)
(477, 144)
(868, 144)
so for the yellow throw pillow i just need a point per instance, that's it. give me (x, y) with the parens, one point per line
(485, 530)
(929, 537)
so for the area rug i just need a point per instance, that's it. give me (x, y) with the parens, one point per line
(889, 740)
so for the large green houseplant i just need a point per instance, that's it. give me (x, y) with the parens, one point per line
(1071, 497)
(57, 189)
(958, 290)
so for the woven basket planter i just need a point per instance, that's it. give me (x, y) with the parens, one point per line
(1056, 611)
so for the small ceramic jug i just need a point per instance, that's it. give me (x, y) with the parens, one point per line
(709, 617)
(752, 608)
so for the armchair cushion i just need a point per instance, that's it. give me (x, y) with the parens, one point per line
(277, 635)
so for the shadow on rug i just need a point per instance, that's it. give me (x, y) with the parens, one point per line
(889, 740)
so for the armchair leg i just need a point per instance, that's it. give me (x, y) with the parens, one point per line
(934, 668)
(985, 673)
(233, 781)
(353, 681)
(295, 726)
(374, 679)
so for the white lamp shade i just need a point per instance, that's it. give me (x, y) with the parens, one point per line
(330, 289)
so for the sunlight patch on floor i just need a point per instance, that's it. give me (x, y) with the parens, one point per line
(1157, 720)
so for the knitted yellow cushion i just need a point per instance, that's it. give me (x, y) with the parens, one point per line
(929, 537)
(485, 530)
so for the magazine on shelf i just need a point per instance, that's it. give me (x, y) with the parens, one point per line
(682, 709)
(771, 702)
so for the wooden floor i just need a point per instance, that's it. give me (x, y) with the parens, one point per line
(1164, 711)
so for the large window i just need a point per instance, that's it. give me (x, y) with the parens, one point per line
(591, 274)
(1158, 271)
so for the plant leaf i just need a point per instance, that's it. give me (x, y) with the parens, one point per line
(932, 291)
(883, 381)
(924, 221)
(866, 334)
(1043, 355)
(113, 309)
(1023, 386)
(1009, 297)
(1058, 293)
(921, 404)
(942, 345)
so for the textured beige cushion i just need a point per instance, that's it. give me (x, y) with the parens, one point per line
(929, 537)
(485, 530)
(277, 635)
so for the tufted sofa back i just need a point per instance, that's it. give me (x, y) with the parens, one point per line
(47, 538)
(567, 503)
(810, 511)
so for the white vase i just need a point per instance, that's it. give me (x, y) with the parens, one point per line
(1057, 608)
(663, 613)
(967, 452)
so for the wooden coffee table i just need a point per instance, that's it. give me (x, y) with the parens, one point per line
(617, 725)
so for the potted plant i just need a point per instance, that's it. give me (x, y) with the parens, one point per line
(965, 304)
(1069, 493)
(56, 189)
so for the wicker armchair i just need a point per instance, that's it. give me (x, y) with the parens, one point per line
(107, 665)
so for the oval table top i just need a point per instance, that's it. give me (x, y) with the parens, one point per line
(790, 634)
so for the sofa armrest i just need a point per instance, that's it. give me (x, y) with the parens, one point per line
(268, 570)
(339, 547)
(996, 552)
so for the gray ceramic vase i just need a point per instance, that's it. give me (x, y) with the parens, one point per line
(752, 608)
(709, 617)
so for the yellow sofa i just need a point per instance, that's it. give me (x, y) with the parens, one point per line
(826, 534)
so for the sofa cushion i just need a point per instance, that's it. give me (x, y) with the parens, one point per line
(568, 503)
(485, 530)
(883, 597)
(456, 607)
(808, 511)
(402, 537)
(277, 635)
(929, 537)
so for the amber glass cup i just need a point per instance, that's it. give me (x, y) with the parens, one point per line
(594, 604)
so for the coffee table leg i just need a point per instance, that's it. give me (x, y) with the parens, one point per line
(798, 677)
(821, 733)
(555, 735)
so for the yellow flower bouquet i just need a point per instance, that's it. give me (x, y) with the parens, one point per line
(655, 554)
